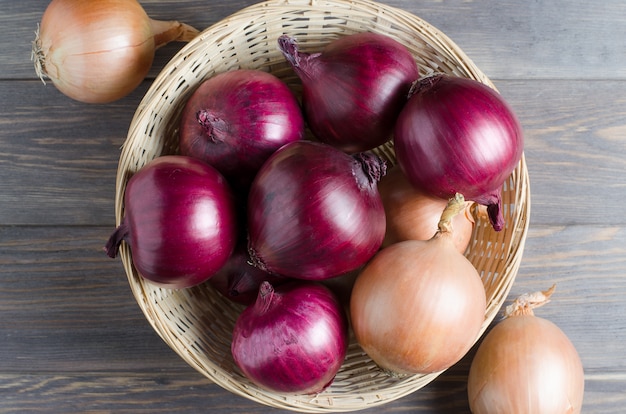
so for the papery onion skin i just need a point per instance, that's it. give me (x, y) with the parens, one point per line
(98, 51)
(354, 89)
(237, 119)
(411, 319)
(413, 215)
(418, 306)
(179, 221)
(314, 212)
(293, 339)
(526, 364)
(458, 135)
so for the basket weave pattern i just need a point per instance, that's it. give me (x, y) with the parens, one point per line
(197, 323)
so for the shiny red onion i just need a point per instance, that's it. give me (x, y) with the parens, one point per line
(179, 221)
(314, 212)
(239, 280)
(354, 89)
(235, 120)
(457, 135)
(293, 339)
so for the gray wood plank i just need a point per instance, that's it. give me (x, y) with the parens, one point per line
(67, 306)
(557, 39)
(166, 393)
(536, 40)
(574, 146)
(163, 392)
(59, 157)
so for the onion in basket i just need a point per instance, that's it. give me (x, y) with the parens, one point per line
(235, 120)
(354, 89)
(457, 135)
(413, 215)
(292, 339)
(180, 221)
(248, 43)
(418, 306)
(314, 212)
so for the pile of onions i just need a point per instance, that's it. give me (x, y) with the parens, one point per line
(179, 222)
(526, 364)
(293, 339)
(418, 306)
(457, 135)
(354, 89)
(99, 51)
(413, 215)
(235, 120)
(314, 212)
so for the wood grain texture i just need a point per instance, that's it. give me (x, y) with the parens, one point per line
(506, 39)
(112, 392)
(159, 392)
(73, 339)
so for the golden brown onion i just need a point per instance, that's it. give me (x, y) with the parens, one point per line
(525, 365)
(413, 215)
(98, 51)
(418, 306)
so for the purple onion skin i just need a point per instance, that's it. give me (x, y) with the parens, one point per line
(179, 221)
(457, 135)
(237, 119)
(314, 212)
(293, 339)
(239, 280)
(354, 89)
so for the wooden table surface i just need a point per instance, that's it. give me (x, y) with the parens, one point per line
(72, 338)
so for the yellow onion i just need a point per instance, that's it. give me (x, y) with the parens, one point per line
(526, 365)
(418, 306)
(411, 214)
(98, 51)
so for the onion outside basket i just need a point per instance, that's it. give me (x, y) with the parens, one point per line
(197, 323)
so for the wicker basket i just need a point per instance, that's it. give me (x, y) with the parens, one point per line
(197, 323)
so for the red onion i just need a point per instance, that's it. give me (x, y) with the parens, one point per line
(354, 89)
(236, 120)
(239, 281)
(314, 212)
(293, 339)
(457, 135)
(180, 221)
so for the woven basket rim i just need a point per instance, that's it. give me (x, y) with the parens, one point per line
(146, 141)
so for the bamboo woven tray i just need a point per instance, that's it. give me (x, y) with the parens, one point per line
(197, 323)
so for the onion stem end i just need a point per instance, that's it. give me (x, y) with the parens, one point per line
(525, 304)
(455, 205)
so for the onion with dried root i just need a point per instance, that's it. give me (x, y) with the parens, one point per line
(526, 365)
(98, 51)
